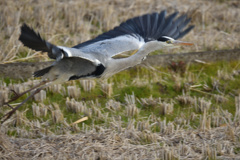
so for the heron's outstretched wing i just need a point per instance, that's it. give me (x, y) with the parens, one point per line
(135, 32)
(130, 35)
(34, 41)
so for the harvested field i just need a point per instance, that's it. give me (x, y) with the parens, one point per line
(173, 111)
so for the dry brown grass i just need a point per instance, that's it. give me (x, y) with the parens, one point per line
(216, 134)
(71, 22)
(131, 142)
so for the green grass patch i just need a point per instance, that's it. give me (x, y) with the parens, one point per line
(198, 81)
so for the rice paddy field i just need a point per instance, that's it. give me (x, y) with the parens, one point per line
(176, 111)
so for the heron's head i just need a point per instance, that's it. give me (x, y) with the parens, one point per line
(170, 42)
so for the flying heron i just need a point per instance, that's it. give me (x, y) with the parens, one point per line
(95, 58)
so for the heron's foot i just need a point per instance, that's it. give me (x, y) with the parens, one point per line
(10, 113)
(13, 109)
(37, 88)
(7, 104)
(18, 95)
(15, 97)
(14, 92)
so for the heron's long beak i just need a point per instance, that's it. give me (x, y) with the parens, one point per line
(176, 42)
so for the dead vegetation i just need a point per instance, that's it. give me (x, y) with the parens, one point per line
(200, 121)
(173, 141)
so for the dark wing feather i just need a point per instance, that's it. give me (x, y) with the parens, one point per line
(34, 41)
(161, 22)
(173, 30)
(183, 33)
(169, 24)
(154, 21)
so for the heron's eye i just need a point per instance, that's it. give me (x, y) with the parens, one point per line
(169, 41)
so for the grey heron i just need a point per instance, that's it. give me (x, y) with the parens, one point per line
(95, 58)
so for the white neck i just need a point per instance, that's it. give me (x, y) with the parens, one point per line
(117, 65)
